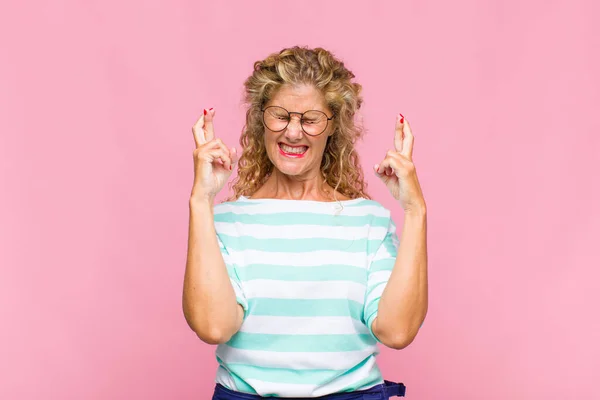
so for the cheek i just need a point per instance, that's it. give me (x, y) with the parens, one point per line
(322, 144)
(269, 141)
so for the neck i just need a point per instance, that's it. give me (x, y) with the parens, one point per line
(282, 186)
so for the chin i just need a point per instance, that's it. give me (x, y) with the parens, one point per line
(287, 169)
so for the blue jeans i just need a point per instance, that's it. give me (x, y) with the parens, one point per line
(379, 392)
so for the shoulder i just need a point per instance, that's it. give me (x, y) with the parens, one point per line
(373, 207)
(230, 206)
(379, 215)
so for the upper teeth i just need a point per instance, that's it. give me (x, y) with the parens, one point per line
(295, 150)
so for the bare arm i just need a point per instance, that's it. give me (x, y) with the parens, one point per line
(209, 303)
(404, 304)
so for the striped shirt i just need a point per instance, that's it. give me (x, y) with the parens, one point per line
(309, 276)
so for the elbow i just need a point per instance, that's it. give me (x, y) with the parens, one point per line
(393, 337)
(205, 331)
(212, 336)
(213, 328)
(209, 333)
(399, 342)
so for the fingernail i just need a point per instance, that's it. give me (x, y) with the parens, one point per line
(210, 109)
(401, 118)
(230, 167)
(205, 111)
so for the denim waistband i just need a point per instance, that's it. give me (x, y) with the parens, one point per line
(378, 392)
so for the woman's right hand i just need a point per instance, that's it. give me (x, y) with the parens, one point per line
(213, 161)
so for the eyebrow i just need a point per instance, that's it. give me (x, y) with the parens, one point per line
(300, 112)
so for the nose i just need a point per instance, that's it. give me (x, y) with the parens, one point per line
(294, 132)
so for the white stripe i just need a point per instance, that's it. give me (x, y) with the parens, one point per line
(239, 292)
(238, 229)
(310, 390)
(348, 379)
(297, 360)
(228, 259)
(303, 325)
(224, 378)
(377, 292)
(275, 289)
(383, 254)
(312, 259)
(298, 390)
(277, 207)
(378, 277)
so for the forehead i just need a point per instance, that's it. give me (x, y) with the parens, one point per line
(298, 98)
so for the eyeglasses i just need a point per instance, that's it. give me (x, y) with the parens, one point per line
(313, 122)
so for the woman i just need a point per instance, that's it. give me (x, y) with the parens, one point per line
(300, 274)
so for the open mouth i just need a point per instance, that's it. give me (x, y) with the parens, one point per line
(292, 151)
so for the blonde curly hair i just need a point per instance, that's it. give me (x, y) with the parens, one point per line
(296, 66)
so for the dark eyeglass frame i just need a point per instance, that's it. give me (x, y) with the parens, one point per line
(301, 119)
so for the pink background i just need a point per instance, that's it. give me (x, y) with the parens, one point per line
(97, 103)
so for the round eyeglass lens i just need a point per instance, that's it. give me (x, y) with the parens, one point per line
(314, 122)
(277, 119)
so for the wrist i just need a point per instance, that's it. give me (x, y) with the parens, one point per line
(197, 201)
(417, 210)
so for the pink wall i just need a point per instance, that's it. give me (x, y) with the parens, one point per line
(97, 100)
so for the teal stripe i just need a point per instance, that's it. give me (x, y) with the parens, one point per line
(306, 308)
(389, 244)
(374, 378)
(231, 270)
(300, 343)
(371, 314)
(279, 219)
(243, 243)
(287, 273)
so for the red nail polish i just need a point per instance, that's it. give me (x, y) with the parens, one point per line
(211, 109)
(205, 111)
(401, 118)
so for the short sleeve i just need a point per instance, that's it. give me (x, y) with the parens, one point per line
(233, 277)
(380, 269)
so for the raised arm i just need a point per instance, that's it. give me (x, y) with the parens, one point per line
(209, 301)
(404, 301)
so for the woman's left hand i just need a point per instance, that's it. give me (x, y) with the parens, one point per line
(398, 172)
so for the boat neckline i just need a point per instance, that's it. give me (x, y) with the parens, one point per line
(267, 200)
